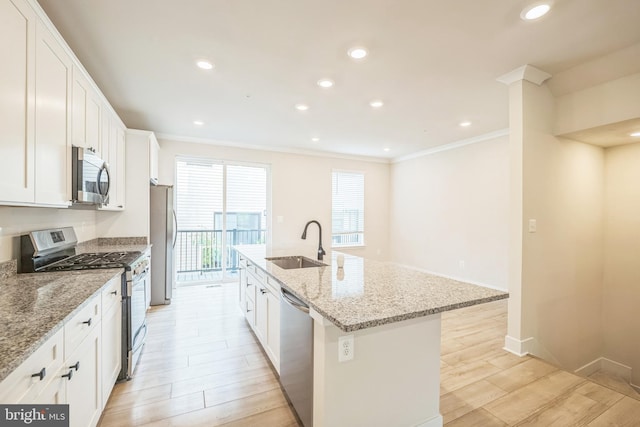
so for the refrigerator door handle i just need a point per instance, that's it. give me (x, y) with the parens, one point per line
(175, 228)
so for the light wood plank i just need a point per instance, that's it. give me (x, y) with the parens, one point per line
(625, 412)
(521, 403)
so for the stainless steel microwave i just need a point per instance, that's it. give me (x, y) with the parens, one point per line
(89, 176)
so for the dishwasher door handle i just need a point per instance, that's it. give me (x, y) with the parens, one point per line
(288, 299)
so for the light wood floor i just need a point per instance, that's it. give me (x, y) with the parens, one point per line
(201, 366)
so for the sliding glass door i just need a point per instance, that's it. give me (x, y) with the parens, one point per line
(218, 205)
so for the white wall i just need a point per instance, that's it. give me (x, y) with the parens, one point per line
(450, 207)
(15, 221)
(562, 262)
(621, 296)
(300, 191)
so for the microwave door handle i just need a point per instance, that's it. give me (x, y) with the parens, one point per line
(105, 169)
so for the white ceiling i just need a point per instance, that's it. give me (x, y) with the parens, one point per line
(434, 63)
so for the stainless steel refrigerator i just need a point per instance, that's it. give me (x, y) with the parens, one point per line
(163, 240)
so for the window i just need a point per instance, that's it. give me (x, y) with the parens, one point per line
(347, 211)
(218, 204)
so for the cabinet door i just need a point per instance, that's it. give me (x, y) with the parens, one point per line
(121, 171)
(105, 128)
(154, 152)
(273, 329)
(242, 290)
(84, 391)
(261, 314)
(92, 122)
(85, 108)
(52, 148)
(79, 109)
(17, 50)
(115, 156)
(111, 345)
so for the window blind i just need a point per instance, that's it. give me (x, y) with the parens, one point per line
(347, 209)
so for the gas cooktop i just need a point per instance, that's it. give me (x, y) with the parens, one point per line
(94, 260)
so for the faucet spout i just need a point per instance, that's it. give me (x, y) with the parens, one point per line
(321, 251)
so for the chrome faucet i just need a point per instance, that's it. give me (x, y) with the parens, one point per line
(304, 236)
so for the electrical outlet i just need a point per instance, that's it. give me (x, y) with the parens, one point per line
(462, 265)
(345, 348)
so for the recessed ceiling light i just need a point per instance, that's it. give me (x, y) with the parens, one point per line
(357, 52)
(465, 124)
(302, 107)
(205, 65)
(198, 122)
(387, 149)
(315, 139)
(535, 11)
(634, 134)
(325, 83)
(376, 103)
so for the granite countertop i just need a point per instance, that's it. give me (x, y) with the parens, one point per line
(35, 306)
(114, 244)
(367, 293)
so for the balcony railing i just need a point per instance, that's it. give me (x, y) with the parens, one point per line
(202, 250)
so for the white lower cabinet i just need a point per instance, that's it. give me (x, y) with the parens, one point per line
(29, 379)
(78, 365)
(84, 386)
(111, 345)
(260, 300)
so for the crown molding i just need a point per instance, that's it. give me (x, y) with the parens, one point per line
(453, 145)
(195, 140)
(526, 72)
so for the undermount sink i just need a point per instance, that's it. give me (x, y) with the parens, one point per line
(296, 261)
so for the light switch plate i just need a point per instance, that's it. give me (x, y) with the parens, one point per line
(533, 226)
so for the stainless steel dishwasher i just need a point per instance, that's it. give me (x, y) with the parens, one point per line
(296, 355)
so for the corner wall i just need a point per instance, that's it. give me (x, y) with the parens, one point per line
(562, 262)
(621, 296)
(300, 191)
(449, 212)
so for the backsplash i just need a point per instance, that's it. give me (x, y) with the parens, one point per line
(8, 269)
(112, 241)
(16, 221)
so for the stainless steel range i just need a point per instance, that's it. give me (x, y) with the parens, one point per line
(55, 250)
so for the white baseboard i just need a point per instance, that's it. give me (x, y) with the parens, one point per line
(635, 387)
(606, 365)
(436, 421)
(518, 347)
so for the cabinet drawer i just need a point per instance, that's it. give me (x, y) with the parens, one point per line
(81, 325)
(111, 294)
(250, 313)
(21, 384)
(273, 285)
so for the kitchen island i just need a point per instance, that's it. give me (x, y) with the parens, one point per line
(393, 316)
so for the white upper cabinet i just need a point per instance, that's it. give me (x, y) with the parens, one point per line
(47, 104)
(17, 51)
(78, 120)
(114, 154)
(154, 153)
(52, 148)
(86, 113)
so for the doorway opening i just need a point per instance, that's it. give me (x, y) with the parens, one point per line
(219, 204)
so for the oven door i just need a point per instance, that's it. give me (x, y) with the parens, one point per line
(138, 311)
